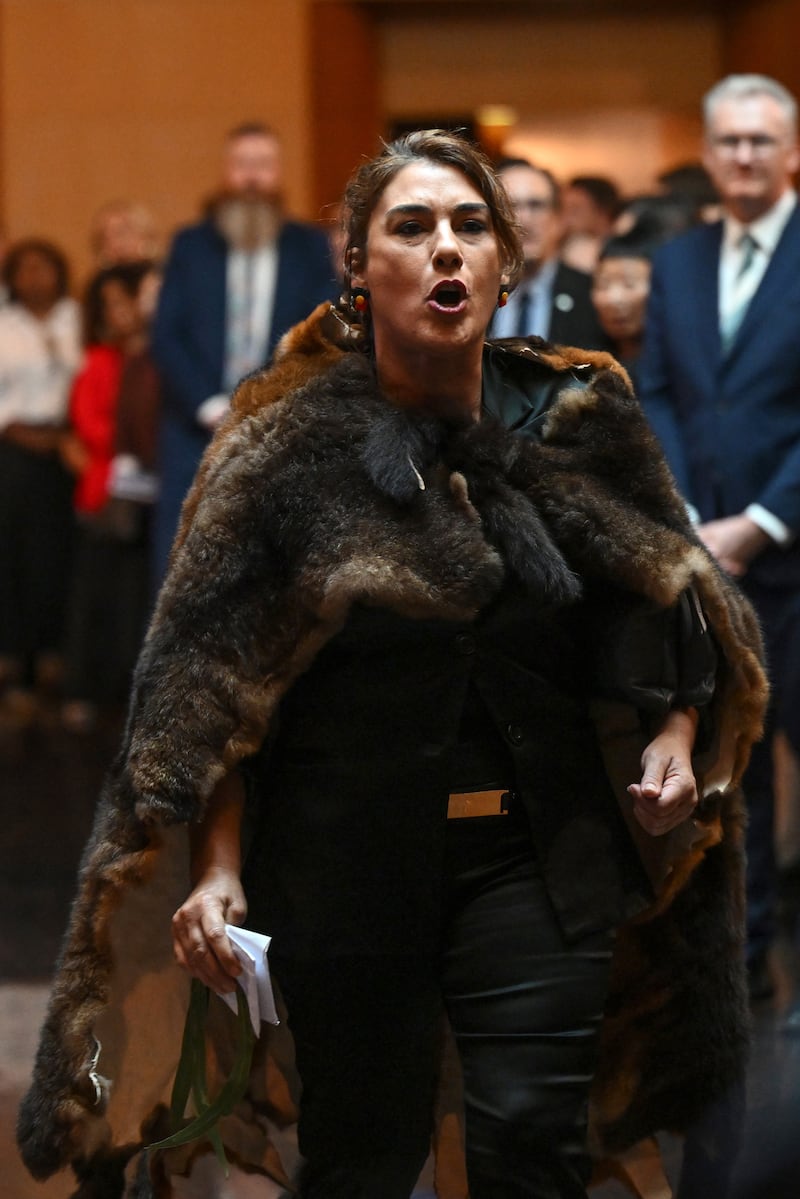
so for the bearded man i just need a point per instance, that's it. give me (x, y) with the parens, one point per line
(233, 284)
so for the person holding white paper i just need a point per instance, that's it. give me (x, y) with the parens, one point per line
(404, 849)
(436, 616)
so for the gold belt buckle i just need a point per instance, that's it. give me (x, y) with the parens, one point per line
(463, 804)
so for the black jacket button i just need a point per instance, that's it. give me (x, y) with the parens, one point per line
(465, 644)
(514, 734)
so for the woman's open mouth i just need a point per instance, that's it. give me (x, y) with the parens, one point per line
(448, 296)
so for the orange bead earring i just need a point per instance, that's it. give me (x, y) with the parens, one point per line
(360, 301)
(502, 299)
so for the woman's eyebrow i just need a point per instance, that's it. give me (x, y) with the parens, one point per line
(409, 210)
(472, 206)
(421, 209)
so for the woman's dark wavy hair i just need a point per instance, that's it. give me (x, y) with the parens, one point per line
(447, 149)
(129, 275)
(45, 249)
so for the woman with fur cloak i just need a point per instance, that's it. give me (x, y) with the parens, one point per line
(438, 632)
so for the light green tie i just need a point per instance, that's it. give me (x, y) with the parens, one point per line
(748, 245)
(743, 285)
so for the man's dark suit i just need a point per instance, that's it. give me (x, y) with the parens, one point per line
(578, 325)
(573, 320)
(189, 343)
(730, 428)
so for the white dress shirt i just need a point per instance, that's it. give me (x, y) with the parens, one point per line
(540, 305)
(251, 276)
(38, 360)
(766, 232)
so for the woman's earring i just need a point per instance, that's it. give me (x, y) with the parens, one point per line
(359, 300)
(502, 299)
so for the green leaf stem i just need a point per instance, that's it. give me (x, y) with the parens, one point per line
(190, 1077)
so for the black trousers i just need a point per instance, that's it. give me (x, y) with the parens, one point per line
(524, 1005)
(107, 615)
(36, 533)
(776, 609)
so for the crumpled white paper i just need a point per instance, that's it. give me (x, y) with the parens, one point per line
(251, 950)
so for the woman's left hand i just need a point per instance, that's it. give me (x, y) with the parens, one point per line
(667, 792)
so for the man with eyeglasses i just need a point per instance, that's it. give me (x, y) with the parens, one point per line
(552, 300)
(720, 382)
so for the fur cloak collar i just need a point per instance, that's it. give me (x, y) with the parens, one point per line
(314, 495)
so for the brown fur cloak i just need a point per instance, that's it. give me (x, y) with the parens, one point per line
(278, 539)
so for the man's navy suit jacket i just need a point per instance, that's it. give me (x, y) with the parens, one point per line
(729, 424)
(189, 342)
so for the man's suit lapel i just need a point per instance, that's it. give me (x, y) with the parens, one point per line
(701, 294)
(215, 290)
(285, 285)
(780, 274)
(561, 301)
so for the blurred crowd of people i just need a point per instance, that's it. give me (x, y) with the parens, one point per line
(106, 406)
(78, 415)
(66, 372)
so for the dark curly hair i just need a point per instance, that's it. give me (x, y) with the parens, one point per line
(45, 249)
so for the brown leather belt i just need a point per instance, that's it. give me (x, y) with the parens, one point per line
(463, 804)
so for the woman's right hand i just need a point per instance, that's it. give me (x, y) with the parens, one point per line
(198, 929)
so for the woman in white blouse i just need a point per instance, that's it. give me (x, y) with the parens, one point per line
(40, 350)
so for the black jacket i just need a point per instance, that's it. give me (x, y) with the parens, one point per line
(573, 318)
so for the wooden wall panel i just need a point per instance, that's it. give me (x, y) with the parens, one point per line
(346, 121)
(764, 36)
(104, 99)
(599, 92)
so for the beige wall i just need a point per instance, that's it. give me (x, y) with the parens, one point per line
(600, 93)
(107, 98)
